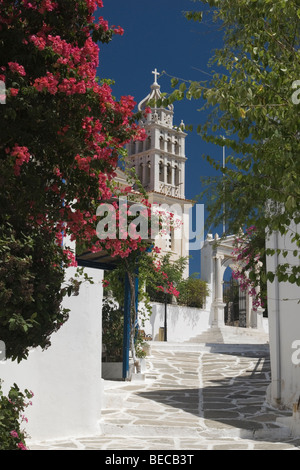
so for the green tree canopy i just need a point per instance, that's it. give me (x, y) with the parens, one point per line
(253, 97)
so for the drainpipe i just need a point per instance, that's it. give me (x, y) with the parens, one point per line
(277, 332)
(127, 326)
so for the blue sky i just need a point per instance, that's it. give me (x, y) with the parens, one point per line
(157, 35)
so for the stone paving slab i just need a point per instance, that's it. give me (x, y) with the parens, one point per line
(193, 398)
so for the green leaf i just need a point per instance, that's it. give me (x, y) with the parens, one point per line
(182, 87)
(291, 203)
(194, 15)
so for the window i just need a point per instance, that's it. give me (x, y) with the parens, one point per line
(161, 142)
(140, 175)
(161, 172)
(140, 146)
(148, 172)
(169, 174)
(176, 176)
(170, 240)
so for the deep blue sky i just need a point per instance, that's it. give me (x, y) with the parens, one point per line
(157, 35)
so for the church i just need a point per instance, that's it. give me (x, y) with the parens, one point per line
(159, 163)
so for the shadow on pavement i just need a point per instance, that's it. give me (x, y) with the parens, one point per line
(232, 396)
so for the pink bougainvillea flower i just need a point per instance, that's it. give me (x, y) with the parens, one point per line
(14, 91)
(22, 446)
(21, 155)
(17, 68)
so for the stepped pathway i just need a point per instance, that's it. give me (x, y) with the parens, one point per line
(231, 335)
(195, 396)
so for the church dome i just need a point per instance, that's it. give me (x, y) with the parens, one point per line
(154, 95)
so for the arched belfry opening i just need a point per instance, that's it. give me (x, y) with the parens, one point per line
(148, 143)
(161, 172)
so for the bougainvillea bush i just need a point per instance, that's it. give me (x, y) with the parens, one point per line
(250, 268)
(61, 135)
(12, 408)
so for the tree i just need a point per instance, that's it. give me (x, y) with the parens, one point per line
(163, 279)
(193, 292)
(144, 266)
(62, 132)
(253, 95)
(250, 268)
(112, 330)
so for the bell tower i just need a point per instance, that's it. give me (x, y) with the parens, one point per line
(159, 162)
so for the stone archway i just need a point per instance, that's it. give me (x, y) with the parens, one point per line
(217, 255)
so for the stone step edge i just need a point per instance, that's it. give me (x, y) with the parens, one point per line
(207, 347)
(138, 430)
(130, 430)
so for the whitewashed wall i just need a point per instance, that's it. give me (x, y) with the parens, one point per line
(284, 329)
(66, 378)
(183, 323)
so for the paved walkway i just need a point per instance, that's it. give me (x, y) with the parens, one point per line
(193, 396)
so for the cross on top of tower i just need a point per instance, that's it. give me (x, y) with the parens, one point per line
(156, 74)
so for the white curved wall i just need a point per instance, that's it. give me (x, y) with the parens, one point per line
(66, 378)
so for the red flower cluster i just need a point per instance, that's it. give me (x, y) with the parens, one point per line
(21, 155)
(169, 289)
(48, 83)
(40, 6)
(17, 68)
(92, 5)
(67, 74)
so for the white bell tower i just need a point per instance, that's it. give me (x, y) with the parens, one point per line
(159, 162)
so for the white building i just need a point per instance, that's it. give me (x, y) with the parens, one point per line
(284, 325)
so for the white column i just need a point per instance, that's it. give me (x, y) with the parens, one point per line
(218, 281)
(173, 175)
(182, 146)
(182, 180)
(250, 319)
(218, 294)
(257, 314)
